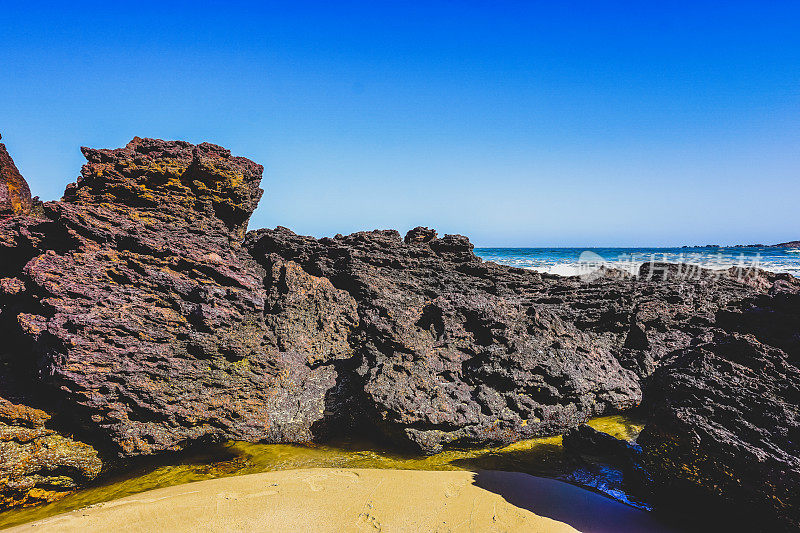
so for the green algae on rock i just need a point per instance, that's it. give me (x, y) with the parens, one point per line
(543, 457)
(36, 463)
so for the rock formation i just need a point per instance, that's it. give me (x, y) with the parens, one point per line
(37, 464)
(149, 321)
(725, 425)
(456, 351)
(140, 313)
(15, 196)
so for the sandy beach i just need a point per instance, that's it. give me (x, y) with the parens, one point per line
(359, 500)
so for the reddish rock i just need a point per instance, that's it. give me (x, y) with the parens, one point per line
(133, 312)
(153, 325)
(15, 195)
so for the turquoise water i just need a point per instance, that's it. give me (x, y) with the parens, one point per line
(573, 261)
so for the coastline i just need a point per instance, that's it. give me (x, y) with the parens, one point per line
(360, 500)
(143, 320)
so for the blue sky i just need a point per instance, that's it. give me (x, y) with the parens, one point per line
(515, 123)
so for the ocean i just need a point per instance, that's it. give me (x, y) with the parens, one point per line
(577, 261)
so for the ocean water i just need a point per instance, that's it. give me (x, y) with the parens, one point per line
(578, 261)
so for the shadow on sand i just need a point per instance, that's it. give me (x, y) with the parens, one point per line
(581, 509)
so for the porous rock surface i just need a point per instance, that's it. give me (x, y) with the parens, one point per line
(36, 463)
(725, 423)
(15, 195)
(148, 319)
(452, 350)
(140, 313)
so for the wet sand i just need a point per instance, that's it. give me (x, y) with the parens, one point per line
(327, 499)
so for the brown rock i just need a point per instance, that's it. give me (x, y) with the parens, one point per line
(37, 464)
(453, 351)
(153, 325)
(15, 195)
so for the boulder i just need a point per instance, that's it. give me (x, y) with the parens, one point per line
(454, 351)
(724, 429)
(38, 464)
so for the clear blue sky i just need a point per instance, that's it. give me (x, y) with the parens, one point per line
(515, 123)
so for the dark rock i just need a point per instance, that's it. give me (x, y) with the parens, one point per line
(725, 427)
(138, 313)
(587, 441)
(15, 195)
(450, 353)
(420, 235)
(457, 352)
(608, 465)
(790, 244)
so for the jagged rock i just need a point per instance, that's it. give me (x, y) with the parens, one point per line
(149, 320)
(449, 353)
(307, 314)
(456, 351)
(132, 311)
(420, 235)
(724, 427)
(38, 464)
(15, 195)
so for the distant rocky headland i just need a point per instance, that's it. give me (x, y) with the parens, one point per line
(790, 244)
(140, 317)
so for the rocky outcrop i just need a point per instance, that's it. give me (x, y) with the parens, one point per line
(38, 464)
(724, 426)
(456, 351)
(140, 313)
(449, 352)
(15, 196)
(150, 323)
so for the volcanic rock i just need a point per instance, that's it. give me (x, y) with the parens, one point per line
(38, 464)
(724, 426)
(150, 322)
(456, 351)
(15, 195)
(139, 313)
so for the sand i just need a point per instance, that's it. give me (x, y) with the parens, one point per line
(323, 499)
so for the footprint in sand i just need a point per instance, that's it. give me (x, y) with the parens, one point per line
(454, 489)
(368, 522)
(312, 482)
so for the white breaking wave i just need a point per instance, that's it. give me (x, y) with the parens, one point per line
(576, 262)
